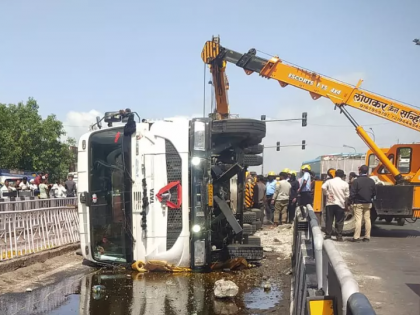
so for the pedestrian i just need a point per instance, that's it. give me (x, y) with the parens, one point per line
(270, 189)
(305, 187)
(352, 177)
(6, 188)
(70, 186)
(24, 185)
(43, 189)
(337, 192)
(293, 197)
(363, 190)
(262, 198)
(281, 200)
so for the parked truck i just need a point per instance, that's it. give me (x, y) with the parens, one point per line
(160, 190)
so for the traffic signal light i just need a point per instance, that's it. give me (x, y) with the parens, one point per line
(262, 117)
(303, 144)
(304, 119)
(278, 146)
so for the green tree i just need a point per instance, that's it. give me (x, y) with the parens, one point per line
(29, 142)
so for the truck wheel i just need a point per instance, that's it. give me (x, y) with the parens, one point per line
(349, 224)
(254, 227)
(373, 215)
(401, 221)
(249, 252)
(258, 213)
(249, 131)
(252, 160)
(249, 217)
(247, 229)
(254, 240)
(255, 149)
(388, 219)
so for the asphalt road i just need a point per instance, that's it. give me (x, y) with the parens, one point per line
(388, 267)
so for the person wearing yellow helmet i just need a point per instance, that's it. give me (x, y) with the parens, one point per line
(270, 189)
(305, 186)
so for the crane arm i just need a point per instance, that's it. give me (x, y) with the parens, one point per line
(317, 85)
(220, 82)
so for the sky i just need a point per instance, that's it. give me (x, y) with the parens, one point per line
(81, 58)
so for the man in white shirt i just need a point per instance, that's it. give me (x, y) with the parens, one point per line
(6, 188)
(24, 185)
(337, 192)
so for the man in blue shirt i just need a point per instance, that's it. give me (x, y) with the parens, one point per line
(305, 187)
(270, 189)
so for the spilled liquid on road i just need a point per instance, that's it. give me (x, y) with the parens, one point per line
(152, 293)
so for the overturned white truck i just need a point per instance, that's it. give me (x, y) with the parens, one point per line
(161, 190)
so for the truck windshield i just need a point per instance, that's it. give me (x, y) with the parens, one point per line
(108, 224)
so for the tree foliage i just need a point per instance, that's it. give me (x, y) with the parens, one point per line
(29, 142)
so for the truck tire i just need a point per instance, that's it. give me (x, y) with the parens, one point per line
(247, 229)
(254, 227)
(248, 131)
(249, 217)
(253, 160)
(254, 240)
(258, 213)
(247, 251)
(254, 149)
(401, 221)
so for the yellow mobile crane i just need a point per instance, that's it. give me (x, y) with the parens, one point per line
(400, 196)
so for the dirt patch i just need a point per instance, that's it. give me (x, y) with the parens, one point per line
(39, 274)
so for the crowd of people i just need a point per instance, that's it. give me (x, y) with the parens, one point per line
(278, 196)
(40, 187)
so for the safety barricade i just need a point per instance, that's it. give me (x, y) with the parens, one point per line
(322, 281)
(27, 231)
(31, 203)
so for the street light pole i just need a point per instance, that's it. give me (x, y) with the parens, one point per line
(373, 134)
(350, 147)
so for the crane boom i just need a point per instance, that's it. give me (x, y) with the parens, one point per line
(317, 85)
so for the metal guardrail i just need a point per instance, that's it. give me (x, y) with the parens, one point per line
(320, 272)
(31, 203)
(27, 231)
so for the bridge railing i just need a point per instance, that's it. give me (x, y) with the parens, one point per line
(27, 231)
(31, 203)
(320, 273)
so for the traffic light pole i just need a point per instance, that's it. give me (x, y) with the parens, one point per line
(278, 146)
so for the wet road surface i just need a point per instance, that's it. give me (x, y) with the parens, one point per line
(388, 267)
(129, 293)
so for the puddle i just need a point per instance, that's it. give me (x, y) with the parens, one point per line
(134, 294)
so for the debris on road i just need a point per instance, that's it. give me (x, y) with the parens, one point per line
(225, 288)
(277, 239)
